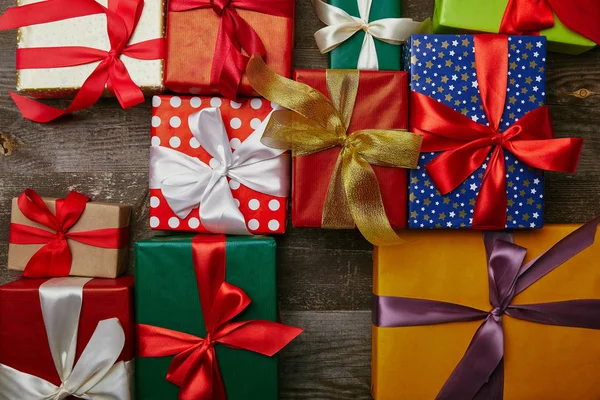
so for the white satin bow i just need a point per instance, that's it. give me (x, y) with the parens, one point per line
(186, 182)
(342, 26)
(95, 376)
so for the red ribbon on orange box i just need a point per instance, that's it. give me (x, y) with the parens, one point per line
(235, 34)
(195, 368)
(122, 19)
(466, 144)
(54, 258)
(524, 17)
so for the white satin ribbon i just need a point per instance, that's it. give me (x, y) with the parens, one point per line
(342, 26)
(95, 376)
(186, 182)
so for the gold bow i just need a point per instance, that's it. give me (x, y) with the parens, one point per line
(313, 123)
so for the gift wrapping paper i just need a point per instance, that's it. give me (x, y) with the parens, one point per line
(540, 361)
(191, 41)
(23, 342)
(455, 16)
(167, 296)
(263, 213)
(381, 103)
(88, 31)
(345, 56)
(443, 68)
(87, 260)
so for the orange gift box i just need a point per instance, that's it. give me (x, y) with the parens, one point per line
(191, 47)
(263, 213)
(540, 361)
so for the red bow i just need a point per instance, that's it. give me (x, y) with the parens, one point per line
(466, 144)
(54, 258)
(524, 17)
(122, 19)
(235, 34)
(195, 368)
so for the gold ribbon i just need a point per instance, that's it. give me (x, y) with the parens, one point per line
(313, 123)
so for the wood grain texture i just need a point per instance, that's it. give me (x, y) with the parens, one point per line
(324, 276)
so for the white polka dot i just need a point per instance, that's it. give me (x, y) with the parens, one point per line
(235, 143)
(254, 204)
(175, 122)
(274, 205)
(237, 202)
(154, 202)
(154, 222)
(194, 143)
(235, 104)
(155, 141)
(214, 163)
(195, 102)
(273, 224)
(174, 142)
(156, 101)
(215, 102)
(195, 90)
(194, 223)
(173, 222)
(234, 185)
(156, 121)
(256, 103)
(175, 101)
(235, 123)
(253, 224)
(255, 123)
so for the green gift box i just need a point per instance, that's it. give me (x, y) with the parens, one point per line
(455, 16)
(345, 56)
(171, 275)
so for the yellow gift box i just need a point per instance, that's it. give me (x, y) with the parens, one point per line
(540, 361)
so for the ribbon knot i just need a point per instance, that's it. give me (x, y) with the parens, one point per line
(62, 393)
(220, 5)
(61, 236)
(498, 140)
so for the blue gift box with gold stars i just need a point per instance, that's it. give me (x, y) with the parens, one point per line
(443, 68)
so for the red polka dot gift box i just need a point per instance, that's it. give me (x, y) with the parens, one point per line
(209, 172)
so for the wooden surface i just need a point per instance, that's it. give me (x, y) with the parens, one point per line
(324, 276)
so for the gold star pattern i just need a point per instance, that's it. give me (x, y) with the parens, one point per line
(464, 111)
(414, 214)
(449, 63)
(529, 46)
(414, 180)
(428, 64)
(526, 183)
(429, 46)
(442, 216)
(448, 97)
(512, 99)
(416, 77)
(462, 213)
(511, 168)
(510, 202)
(524, 90)
(474, 99)
(465, 77)
(426, 217)
(532, 64)
(414, 60)
(427, 202)
(510, 184)
(428, 80)
(513, 65)
(457, 102)
(416, 42)
(412, 197)
(445, 44)
(532, 98)
(472, 202)
(446, 200)
(440, 89)
(454, 205)
(466, 42)
(530, 201)
(427, 183)
(525, 217)
(444, 79)
(441, 54)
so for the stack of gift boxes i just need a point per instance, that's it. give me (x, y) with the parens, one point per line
(409, 129)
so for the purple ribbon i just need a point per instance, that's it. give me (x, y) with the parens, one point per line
(480, 373)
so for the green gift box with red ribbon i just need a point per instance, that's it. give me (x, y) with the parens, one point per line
(206, 311)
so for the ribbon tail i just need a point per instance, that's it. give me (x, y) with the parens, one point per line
(128, 93)
(116, 384)
(52, 260)
(336, 210)
(571, 313)
(262, 337)
(482, 358)
(15, 384)
(581, 17)
(490, 208)
(367, 59)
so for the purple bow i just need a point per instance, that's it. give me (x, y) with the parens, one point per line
(480, 373)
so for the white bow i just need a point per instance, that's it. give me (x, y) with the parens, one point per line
(342, 26)
(186, 182)
(95, 376)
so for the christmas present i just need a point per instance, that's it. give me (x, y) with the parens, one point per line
(206, 324)
(349, 151)
(364, 34)
(85, 49)
(479, 101)
(60, 237)
(209, 41)
(569, 26)
(67, 338)
(488, 316)
(208, 170)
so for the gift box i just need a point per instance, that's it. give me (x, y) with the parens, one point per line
(58, 237)
(455, 16)
(202, 40)
(451, 76)
(190, 189)
(53, 327)
(89, 31)
(225, 286)
(427, 313)
(381, 103)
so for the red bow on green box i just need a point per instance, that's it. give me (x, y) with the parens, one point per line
(195, 367)
(122, 18)
(526, 17)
